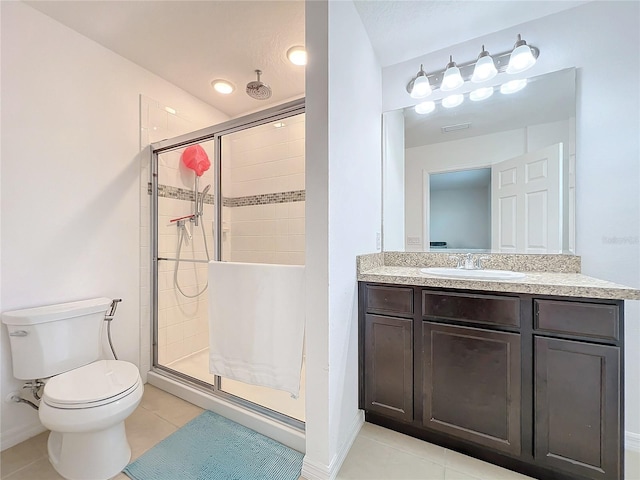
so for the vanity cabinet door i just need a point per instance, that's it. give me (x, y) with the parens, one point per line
(577, 407)
(472, 383)
(388, 366)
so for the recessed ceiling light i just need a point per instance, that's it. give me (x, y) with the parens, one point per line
(222, 86)
(172, 111)
(297, 55)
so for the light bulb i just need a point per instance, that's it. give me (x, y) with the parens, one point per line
(421, 86)
(513, 86)
(452, 100)
(485, 69)
(452, 78)
(425, 107)
(480, 94)
(521, 57)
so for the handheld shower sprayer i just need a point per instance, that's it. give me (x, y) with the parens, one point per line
(199, 201)
(200, 210)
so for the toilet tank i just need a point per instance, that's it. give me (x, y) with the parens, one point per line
(53, 339)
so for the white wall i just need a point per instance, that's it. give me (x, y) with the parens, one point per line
(607, 141)
(461, 217)
(343, 179)
(70, 179)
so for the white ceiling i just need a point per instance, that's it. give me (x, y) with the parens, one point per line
(190, 43)
(402, 30)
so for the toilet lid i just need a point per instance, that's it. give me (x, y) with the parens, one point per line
(91, 385)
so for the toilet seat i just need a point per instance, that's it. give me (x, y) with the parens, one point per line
(98, 383)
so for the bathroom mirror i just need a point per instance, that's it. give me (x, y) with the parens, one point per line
(492, 175)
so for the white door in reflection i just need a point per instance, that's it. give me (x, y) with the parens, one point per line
(526, 193)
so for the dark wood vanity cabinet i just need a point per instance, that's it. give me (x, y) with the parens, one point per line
(472, 383)
(388, 352)
(531, 383)
(578, 388)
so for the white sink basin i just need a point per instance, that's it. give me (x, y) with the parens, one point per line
(472, 274)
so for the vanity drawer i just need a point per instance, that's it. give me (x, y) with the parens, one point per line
(391, 300)
(578, 318)
(485, 309)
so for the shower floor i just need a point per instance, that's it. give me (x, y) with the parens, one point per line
(197, 366)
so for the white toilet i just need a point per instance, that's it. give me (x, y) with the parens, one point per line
(85, 400)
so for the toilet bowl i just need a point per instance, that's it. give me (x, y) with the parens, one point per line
(85, 409)
(85, 399)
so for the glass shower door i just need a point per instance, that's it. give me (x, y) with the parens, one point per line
(247, 206)
(262, 173)
(185, 239)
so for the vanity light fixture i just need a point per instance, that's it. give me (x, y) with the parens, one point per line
(297, 55)
(452, 100)
(222, 86)
(513, 86)
(452, 78)
(480, 94)
(485, 69)
(421, 87)
(425, 107)
(521, 58)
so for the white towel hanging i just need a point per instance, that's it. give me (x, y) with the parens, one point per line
(256, 323)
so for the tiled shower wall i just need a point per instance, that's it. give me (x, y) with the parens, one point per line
(183, 325)
(263, 190)
(182, 322)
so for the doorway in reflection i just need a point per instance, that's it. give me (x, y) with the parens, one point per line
(460, 209)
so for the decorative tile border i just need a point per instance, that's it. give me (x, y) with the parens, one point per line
(265, 199)
(178, 193)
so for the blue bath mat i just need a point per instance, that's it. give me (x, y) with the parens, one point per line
(211, 447)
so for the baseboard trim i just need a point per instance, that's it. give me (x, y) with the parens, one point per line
(19, 434)
(312, 470)
(632, 441)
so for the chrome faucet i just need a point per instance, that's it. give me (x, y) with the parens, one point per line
(468, 261)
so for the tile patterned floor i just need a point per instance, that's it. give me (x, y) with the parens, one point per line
(377, 453)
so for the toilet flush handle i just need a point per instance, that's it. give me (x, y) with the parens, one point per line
(19, 333)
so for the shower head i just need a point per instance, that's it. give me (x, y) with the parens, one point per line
(257, 89)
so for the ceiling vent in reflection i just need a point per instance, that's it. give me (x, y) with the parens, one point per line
(453, 128)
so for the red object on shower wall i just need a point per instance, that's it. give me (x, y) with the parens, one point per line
(195, 158)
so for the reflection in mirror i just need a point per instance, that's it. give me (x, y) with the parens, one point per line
(460, 209)
(496, 175)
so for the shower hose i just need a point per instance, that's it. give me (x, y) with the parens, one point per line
(175, 270)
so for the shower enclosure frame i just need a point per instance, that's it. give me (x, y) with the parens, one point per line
(214, 133)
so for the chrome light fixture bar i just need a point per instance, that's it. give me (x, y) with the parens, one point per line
(523, 55)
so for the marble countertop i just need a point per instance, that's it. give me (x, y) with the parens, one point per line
(373, 269)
